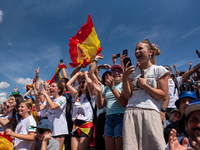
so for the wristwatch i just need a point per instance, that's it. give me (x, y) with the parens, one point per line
(112, 89)
(163, 109)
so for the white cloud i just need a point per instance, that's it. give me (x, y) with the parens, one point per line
(24, 81)
(191, 32)
(1, 16)
(3, 97)
(4, 85)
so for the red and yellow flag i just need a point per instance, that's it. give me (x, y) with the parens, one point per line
(57, 72)
(84, 45)
(5, 142)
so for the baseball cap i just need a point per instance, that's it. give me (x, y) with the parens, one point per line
(175, 110)
(116, 66)
(45, 124)
(185, 94)
(192, 106)
(30, 97)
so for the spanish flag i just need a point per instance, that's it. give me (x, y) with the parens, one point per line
(84, 45)
(5, 142)
(57, 73)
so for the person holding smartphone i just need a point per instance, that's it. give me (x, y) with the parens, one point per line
(142, 127)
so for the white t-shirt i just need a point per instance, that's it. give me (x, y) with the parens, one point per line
(140, 98)
(24, 126)
(82, 109)
(173, 94)
(57, 116)
(42, 113)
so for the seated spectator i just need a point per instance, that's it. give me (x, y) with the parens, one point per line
(181, 104)
(43, 139)
(192, 124)
(174, 116)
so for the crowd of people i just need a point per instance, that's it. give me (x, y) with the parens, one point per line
(146, 107)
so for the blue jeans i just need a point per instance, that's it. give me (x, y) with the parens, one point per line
(114, 124)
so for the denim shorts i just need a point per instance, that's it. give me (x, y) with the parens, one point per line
(114, 124)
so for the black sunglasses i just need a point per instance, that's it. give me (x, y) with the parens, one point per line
(82, 82)
(41, 131)
(7, 106)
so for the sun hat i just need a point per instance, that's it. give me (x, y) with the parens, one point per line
(116, 66)
(45, 124)
(30, 97)
(185, 94)
(192, 106)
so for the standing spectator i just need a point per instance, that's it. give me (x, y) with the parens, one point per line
(82, 108)
(8, 110)
(24, 133)
(142, 128)
(14, 117)
(110, 96)
(56, 107)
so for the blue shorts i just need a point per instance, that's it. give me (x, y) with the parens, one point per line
(114, 124)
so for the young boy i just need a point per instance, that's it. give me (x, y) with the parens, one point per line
(174, 116)
(43, 139)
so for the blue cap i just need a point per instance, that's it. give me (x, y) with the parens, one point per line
(30, 97)
(185, 94)
(192, 106)
(45, 124)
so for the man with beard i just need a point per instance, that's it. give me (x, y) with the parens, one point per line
(192, 124)
(185, 98)
(43, 139)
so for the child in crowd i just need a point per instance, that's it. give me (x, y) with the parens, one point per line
(24, 132)
(43, 139)
(174, 116)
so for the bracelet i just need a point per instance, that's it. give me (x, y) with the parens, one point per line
(95, 60)
(113, 88)
(149, 89)
(12, 133)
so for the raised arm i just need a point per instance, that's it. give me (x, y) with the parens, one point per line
(90, 86)
(70, 82)
(100, 98)
(63, 71)
(127, 81)
(37, 78)
(186, 75)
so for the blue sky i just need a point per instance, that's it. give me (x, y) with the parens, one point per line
(36, 34)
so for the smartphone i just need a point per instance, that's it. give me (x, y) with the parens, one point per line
(117, 55)
(41, 87)
(198, 53)
(142, 73)
(125, 52)
(101, 67)
(61, 60)
(125, 60)
(34, 80)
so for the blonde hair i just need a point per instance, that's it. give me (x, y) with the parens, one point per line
(28, 105)
(156, 50)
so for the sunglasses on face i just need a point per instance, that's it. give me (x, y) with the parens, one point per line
(167, 68)
(116, 72)
(7, 106)
(41, 131)
(83, 82)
